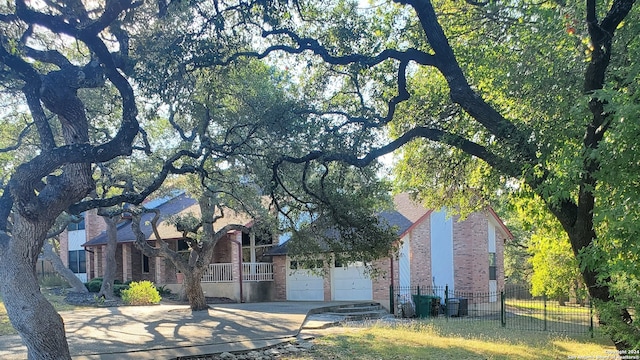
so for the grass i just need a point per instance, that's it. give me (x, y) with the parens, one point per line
(436, 339)
(56, 300)
(535, 314)
(552, 306)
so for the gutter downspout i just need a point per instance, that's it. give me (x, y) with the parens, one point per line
(392, 303)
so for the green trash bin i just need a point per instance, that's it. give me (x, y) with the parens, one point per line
(426, 305)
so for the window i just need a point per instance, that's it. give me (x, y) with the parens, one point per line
(76, 226)
(77, 261)
(145, 264)
(182, 245)
(263, 242)
(492, 266)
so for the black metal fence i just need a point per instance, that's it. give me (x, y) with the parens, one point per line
(506, 308)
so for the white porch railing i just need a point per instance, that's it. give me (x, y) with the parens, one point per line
(218, 273)
(257, 271)
(223, 272)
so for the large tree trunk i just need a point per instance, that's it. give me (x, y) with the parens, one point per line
(65, 272)
(109, 276)
(192, 288)
(35, 319)
(577, 221)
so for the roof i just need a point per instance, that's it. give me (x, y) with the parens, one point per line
(168, 206)
(175, 205)
(391, 218)
(407, 214)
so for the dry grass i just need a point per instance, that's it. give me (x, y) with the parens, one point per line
(56, 300)
(453, 340)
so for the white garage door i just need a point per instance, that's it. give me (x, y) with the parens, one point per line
(351, 283)
(304, 285)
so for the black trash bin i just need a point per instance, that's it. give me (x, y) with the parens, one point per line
(453, 305)
(463, 308)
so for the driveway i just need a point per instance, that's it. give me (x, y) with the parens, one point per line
(169, 331)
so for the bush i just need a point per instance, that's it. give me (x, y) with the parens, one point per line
(94, 285)
(163, 290)
(53, 281)
(141, 293)
(118, 288)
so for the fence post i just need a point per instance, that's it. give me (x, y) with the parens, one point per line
(544, 299)
(591, 317)
(446, 302)
(417, 303)
(503, 311)
(392, 306)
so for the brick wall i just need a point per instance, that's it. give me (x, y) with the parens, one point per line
(280, 277)
(223, 249)
(64, 248)
(470, 253)
(94, 224)
(420, 253)
(382, 281)
(137, 273)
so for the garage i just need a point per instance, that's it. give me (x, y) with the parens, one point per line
(303, 284)
(350, 282)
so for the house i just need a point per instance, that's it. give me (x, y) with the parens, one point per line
(434, 251)
(238, 269)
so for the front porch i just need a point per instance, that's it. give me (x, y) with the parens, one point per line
(251, 282)
(250, 271)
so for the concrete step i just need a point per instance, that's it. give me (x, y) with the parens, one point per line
(335, 315)
(356, 309)
(364, 315)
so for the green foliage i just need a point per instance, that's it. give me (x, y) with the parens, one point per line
(623, 329)
(163, 290)
(118, 288)
(548, 263)
(340, 217)
(53, 281)
(94, 285)
(141, 293)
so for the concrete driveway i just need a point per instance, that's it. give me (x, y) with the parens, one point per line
(169, 331)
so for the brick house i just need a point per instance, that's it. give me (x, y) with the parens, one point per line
(238, 269)
(434, 251)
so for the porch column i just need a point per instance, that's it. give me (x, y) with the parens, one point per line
(103, 259)
(236, 261)
(252, 251)
(252, 245)
(97, 254)
(126, 262)
(161, 279)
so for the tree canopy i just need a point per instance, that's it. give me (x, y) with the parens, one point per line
(484, 98)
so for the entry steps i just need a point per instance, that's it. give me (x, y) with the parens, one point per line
(335, 315)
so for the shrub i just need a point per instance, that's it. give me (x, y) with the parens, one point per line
(163, 290)
(94, 285)
(118, 288)
(141, 293)
(53, 281)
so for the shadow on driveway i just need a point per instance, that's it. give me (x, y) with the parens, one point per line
(107, 332)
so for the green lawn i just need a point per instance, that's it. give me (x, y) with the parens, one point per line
(432, 339)
(532, 314)
(552, 306)
(438, 339)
